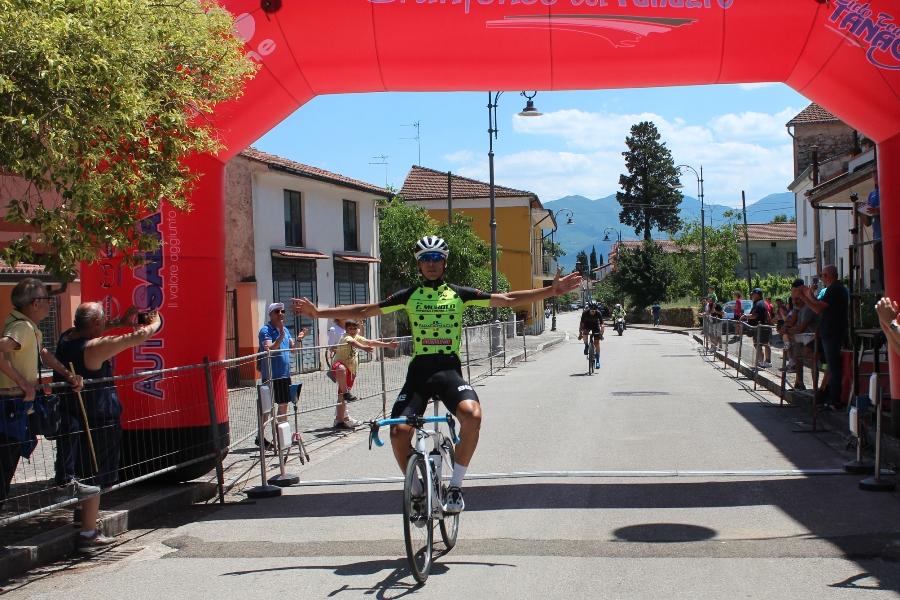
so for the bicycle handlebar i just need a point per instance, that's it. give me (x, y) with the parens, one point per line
(414, 421)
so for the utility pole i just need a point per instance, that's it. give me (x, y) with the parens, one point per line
(746, 240)
(449, 198)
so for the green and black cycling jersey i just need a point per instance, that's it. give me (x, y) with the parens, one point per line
(435, 311)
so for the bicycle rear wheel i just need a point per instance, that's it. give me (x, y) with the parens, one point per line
(591, 351)
(418, 524)
(449, 523)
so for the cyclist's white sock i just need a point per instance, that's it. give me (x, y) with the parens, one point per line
(459, 471)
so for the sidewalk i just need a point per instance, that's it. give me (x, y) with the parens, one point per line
(51, 536)
(826, 421)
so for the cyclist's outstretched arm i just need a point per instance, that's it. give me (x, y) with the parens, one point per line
(304, 306)
(561, 285)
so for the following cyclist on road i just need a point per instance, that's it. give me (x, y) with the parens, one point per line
(435, 309)
(592, 321)
(618, 312)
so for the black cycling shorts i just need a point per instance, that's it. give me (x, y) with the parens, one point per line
(592, 327)
(438, 377)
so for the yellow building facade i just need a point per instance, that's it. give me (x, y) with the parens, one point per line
(521, 221)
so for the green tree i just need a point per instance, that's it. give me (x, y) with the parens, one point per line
(722, 255)
(650, 197)
(644, 273)
(780, 219)
(100, 103)
(593, 258)
(581, 262)
(553, 249)
(402, 224)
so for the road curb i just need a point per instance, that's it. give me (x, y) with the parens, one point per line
(58, 543)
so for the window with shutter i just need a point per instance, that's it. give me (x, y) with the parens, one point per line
(297, 279)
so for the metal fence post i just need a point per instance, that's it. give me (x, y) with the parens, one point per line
(524, 344)
(383, 383)
(214, 429)
(263, 490)
(490, 349)
(468, 356)
(740, 352)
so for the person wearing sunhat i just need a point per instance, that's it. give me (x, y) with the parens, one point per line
(276, 337)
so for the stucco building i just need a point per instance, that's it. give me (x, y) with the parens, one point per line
(521, 219)
(295, 230)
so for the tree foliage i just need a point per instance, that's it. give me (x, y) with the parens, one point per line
(593, 258)
(722, 255)
(100, 103)
(401, 224)
(649, 196)
(581, 262)
(644, 273)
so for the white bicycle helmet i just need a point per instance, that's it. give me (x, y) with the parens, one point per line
(432, 243)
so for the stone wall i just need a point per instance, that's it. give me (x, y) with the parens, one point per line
(833, 139)
(679, 317)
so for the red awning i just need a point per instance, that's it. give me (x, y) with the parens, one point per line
(354, 258)
(313, 254)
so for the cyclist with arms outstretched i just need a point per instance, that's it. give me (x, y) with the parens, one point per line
(435, 309)
(592, 323)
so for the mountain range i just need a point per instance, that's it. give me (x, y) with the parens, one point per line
(594, 219)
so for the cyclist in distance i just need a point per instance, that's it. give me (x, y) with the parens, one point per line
(435, 309)
(592, 322)
(617, 312)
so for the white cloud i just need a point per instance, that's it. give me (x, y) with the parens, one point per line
(753, 125)
(748, 151)
(757, 86)
(459, 157)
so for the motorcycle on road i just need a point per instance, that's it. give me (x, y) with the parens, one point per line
(619, 325)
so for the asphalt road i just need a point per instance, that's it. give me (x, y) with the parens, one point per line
(658, 476)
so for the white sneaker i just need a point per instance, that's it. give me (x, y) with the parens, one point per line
(455, 503)
(348, 423)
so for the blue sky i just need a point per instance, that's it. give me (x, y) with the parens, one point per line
(735, 131)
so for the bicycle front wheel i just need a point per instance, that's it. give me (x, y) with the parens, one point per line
(449, 523)
(591, 351)
(418, 524)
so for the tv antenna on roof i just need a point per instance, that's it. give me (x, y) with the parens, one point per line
(382, 161)
(417, 125)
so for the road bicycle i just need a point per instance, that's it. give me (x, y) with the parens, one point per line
(431, 471)
(591, 353)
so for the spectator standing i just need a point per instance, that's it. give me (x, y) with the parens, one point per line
(335, 333)
(832, 310)
(90, 352)
(800, 330)
(655, 309)
(759, 318)
(276, 337)
(738, 314)
(21, 346)
(345, 367)
(871, 210)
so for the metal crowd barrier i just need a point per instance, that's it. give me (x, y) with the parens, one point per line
(232, 385)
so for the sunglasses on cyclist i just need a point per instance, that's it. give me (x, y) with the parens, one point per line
(431, 257)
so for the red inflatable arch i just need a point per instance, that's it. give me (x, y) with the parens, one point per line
(842, 54)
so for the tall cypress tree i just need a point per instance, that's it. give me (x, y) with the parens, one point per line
(593, 258)
(649, 197)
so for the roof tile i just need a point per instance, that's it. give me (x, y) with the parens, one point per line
(813, 114)
(423, 183)
(314, 172)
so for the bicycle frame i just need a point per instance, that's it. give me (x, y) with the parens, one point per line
(421, 444)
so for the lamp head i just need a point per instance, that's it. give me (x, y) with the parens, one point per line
(530, 110)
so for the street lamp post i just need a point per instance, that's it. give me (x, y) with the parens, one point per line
(699, 176)
(528, 111)
(569, 221)
(618, 233)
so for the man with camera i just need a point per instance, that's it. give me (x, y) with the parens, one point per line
(90, 451)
